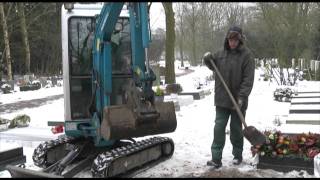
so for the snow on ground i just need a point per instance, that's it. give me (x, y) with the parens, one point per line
(192, 138)
(194, 134)
(29, 95)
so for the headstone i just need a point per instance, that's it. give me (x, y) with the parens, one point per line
(293, 61)
(301, 63)
(173, 88)
(317, 70)
(54, 81)
(43, 81)
(11, 83)
(28, 78)
(312, 65)
(261, 63)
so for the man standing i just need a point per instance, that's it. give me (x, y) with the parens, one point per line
(237, 66)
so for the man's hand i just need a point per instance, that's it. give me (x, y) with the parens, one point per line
(207, 57)
(240, 104)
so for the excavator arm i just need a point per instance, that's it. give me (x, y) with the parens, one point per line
(140, 39)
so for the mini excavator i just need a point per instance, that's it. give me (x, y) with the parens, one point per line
(108, 96)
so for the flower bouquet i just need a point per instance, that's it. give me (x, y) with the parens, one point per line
(287, 152)
(305, 145)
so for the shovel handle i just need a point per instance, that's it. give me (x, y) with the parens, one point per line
(230, 95)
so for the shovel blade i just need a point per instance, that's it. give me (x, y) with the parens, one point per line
(18, 172)
(254, 136)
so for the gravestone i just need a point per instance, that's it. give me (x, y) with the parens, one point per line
(54, 81)
(7, 86)
(11, 83)
(43, 81)
(173, 88)
(304, 108)
(317, 70)
(293, 61)
(312, 65)
(28, 78)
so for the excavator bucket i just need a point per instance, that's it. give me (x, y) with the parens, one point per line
(121, 121)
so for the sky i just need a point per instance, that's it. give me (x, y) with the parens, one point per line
(157, 15)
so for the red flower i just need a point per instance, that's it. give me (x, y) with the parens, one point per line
(312, 152)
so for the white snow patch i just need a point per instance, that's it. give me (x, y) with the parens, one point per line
(193, 135)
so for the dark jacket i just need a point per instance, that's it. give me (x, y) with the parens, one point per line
(237, 69)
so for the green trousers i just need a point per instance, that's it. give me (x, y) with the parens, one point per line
(236, 134)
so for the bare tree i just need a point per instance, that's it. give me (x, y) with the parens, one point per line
(180, 29)
(170, 42)
(157, 45)
(6, 41)
(24, 34)
(234, 14)
(288, 26)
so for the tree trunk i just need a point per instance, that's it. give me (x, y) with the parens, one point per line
(24, 34)
(181, 33)
(170, 42)
(194, 44)
(6, 42)
(181, 53)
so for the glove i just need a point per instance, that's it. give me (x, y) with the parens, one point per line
(207, 57)
(240, 103)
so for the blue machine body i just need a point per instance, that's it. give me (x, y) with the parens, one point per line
(102, 65)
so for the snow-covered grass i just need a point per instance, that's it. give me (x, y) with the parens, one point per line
(194, 133)
(29, 95)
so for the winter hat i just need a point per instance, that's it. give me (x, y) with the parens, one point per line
(235, 32)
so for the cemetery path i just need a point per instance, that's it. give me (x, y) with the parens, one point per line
(11, 107)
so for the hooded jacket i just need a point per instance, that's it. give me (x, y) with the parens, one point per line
(237, 69)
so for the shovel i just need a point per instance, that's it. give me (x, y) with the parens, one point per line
(254, 136)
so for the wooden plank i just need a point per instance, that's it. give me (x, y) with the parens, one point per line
(304, 111)
(303, 121)
(304, 108)
(304, 103)
(304, 116)
(307, 100)
(303, 92)
(306, 95)
(313, 119)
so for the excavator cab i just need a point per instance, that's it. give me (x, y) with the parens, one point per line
(108, 96)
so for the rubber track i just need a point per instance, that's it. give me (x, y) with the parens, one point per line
(39, 154)
(104, 160)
